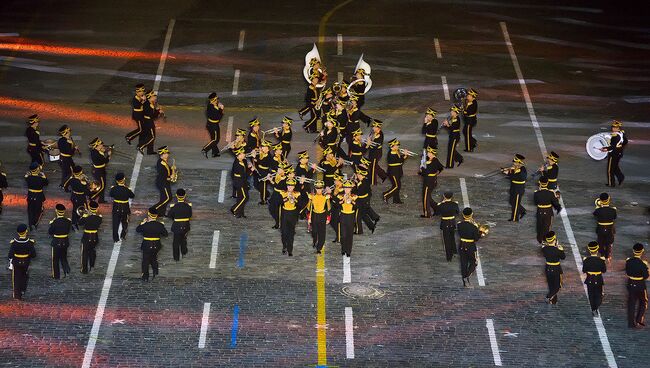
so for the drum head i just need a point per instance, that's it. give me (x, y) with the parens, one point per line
(595, 143)
(54, 155)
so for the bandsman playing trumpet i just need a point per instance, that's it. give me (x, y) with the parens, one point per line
(78, 185)
(614, 154)
(90, 221)
(605, 230)
(284, 136)
(636, 270)
(263, 163)
(166, 175)
(181, 213)
(59, 229)
(551, 170)
(553, 253)
(254, 137)
(289, 216)
(365, 212)
(151, 112)
(137, 114)
(346, 222)
(67, 148)
(546, 201)
(448, 209)
(100, 155)
(357, 147)
(304, 174)
(214, 114)
(239, 176)
(430, 129)
(36, 183)
(469, 117)
(594, 266)
(517, 175)
(121, 212)
(319, 207)
(152, 231)
(395, 160)
(311, 98)
(432, 168)
(331, 165)
(375, 142)
(329, 136)
(469, 233)
(21, 252)
(35, 146)
(453, 126)
(278, 181)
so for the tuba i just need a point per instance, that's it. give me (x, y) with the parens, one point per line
(361, 64)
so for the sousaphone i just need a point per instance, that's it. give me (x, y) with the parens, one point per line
(308, 69)
(361, 64)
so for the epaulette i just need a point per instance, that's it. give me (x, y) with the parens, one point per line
(12, 241)
(627, 259)
(190, 204)
(112, 186)
(646, 262)
(99, 215)
(51, 221)
(603, 258)
(172, 205)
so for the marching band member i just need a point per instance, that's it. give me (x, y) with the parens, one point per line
(340, 114)
(100, 155)
(551, 170)
(289, 217)
(594, 267)
(35, 146)
(263, 163)
(59, 229)
(284, 136)
(319, 214)
(304, 172)
(615, 153)
(181, 213)
(3, 185)
(429, 173)
(453, 125)
(278, 181)
(605, 230)
(469, 117)
(636, 271)
(214, 114)
(375, 152)
(137, 114)
(357, 147)
(430, 129)
(335, 213)
(90, 221)
(21, 252)
(164, 178)
(78, 185)
(331, 165)
(354, 115)
(365, 212)
(311, 97)
(151, 113)
(346, 221)
(152, 231)
(36, 182)
(254, 138)
(359, 88)
(553, 253)
(121, 195)
(545, 200)
(469, 234)
(395, 161)
(67, 148)
(239, 176)
(517, 175)
(329, 136)
(238, 143)
(448, 209)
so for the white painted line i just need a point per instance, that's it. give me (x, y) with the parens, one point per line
(339, 78)
(602, 333)
(163, 56)
(347, 274)
(436, 44)
(135, 172)
(9, 34)
(479, 267)
(235, 83)
(349, 333)
(489, 323)
(339, 44)
(229, 128)
(242, 36)
(222, 185)
(204, 325)
(215, 249)
(445, 87)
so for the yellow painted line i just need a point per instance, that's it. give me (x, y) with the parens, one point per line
(321, 316)
(323, 22)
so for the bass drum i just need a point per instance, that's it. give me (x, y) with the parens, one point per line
(595, 143)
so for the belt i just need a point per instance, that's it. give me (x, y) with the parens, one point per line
(470, 116)
(605, 223)
(213, 121)
(120, 201)
(35, 190)
(182, 219)
(65, 155)
(263, 167)
(395, 164)
(140, 109)
(357, 153)
(238, 175)
(431, 135)
(286, 142)
(362, 196)
(329, 175)
(78, 193)
(544, 205)
(553, 263)
(435, 174)
(147, 117)
(448, 217)
(518, 182)
(635, 278)
(33, 144)
(467, 240)
(61, 236)
(456, 130)
(99, 166)
(594, 273)
(347, 213)
(552, 180)
(151, 239)
(21, 255)
(90, 231)
(316, 212)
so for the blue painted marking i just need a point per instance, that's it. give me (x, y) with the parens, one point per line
(243, 241)
(235, 327)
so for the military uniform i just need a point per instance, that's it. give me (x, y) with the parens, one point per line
(429, 173)
(365, 213)
(254, 137)
(605, 227)
(60, 230)
(430, 130)
(121, 207)
(36, 182)
(152, 231)
(469, 235)
(289, 217)
(163, 182)
(79, 192)
(137, 114)
(319, 213)
(99, 161)
(395, 161)
(517, 176)
(636, 270)
(275, 202)
(239, 176)
(35, 147)
(346, 219)
(21, 252)
(303, 170)
(375, 153)
(67, 150)
(551, 170)
(356, 148)
(263, 163)
(311, 97)
(181, 213)
(469, 117)
(553, 253)
(448, 210)
(454, 137)
(147, 138)
(331, 166)
(214, 114)
(284, 136)
(90, 222)
(614, 155)
(335, 212)
(594, 267)
(546, 201)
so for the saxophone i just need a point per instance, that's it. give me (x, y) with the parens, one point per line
(173, 177)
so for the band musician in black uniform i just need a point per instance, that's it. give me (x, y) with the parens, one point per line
(375, 143)
(319, 214)
(430, 129)
(21, 252)
(214, 114)
(605, 228)
(453, 126)
(100, 155)
(181, 213)
(289, 216)
(239, 175)
(551, 170)
(636, 271)
(614, 154)
(469, 117)
(594, 266)
(67, 150)
(137, 114)
(517, 175)
(78, 187)
(432, 168)
(35, 146)
(469, 234)
(448, 209)
(546, 201)
(36, 182)
(59, 229)
(553, 253)
(90, 221)
(395, 159)
(165, 176)
(152, 231)
(121, 195)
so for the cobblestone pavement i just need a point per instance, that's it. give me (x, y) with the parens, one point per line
(583, 63)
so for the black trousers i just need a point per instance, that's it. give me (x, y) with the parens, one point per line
(346, 232)
(594, 290)
(19, 277)
(215, 136)
(150, 258)
(470, 141)
(428, 185)
(288, 229)
(262, 187)
(66, 164)
(554, 281)
(34, 209)
(77, 202)
(147, 138)
(614, 171)
(310, 125)
(637, 302)
(286, 148)
(237, 209)
(318, 229)
(363, 215)
(120, 216)
(134, 133)
(334, 222)
(36, 155)
(100, 177)
(393, 191)
(449, 239)
(376, 170)
(179, 245)
(165, 191)
(88, 252)
(452, 153)
(516, 196)
(275, 207)
(60, 258)
(605, 238)
(467, 260)
(431, 142)
(544, 221)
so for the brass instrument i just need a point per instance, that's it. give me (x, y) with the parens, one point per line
(272, 130)
(291, 198)
(406, 152)
(316, 167)
(82, 211)
(306, 180)
(336, 87)
(484, 229)
(230, 144)
(94, 187)
(174, 175)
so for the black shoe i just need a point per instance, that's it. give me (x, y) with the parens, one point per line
(641, 323)
(290, 254)
(318, 252)
(459, 163)
(275, 227)
(216, 154)
(284, 250)
(425, 216)
(127, 141)
(620, 182)
(523, 213)
(334, 241)
(141, 150)
(464, 284)
(372, 231)
(145, 278)
(205, 153)
(377, 220)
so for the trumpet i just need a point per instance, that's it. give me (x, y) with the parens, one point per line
(346, 162)
(174, 175)
(291, 198)
(252, 153)
(306, 180)
(483, 229)
(406, 152)
(230, 145)
(272, 130)
(372, 144)
(316, 167)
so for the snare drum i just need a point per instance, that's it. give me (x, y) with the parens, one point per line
(54, 154)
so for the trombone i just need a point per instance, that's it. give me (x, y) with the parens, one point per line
(315, 167)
